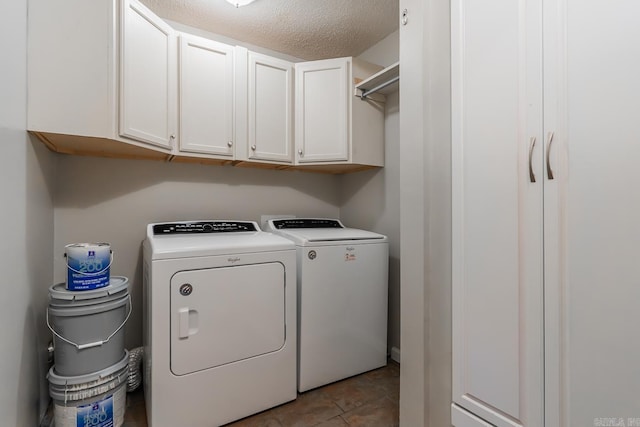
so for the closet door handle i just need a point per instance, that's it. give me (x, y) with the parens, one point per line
(549, 171)
(532, 144)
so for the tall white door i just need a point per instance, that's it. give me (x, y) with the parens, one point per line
(206, 96)
(270, 107)
(497, 165)
(322, 106)
(598, 344)
(147, 77)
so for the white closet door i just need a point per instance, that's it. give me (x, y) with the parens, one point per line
(600, 153)
(147, 77)
(497, 211)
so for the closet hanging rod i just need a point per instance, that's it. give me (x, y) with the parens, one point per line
(366, 93)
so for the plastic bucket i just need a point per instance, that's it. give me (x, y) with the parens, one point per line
(88, 265)
(88, 329)
(97, 399)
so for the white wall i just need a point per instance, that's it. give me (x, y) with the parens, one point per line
(27, 237)
(113, 200)
(385, 52)
(370, 199)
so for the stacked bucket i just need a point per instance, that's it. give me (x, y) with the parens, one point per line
(87, 315)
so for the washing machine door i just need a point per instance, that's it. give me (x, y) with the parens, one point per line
(226, 314)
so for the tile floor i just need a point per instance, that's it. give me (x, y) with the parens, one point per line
(370, 400)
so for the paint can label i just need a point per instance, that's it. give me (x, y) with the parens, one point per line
(97, 414)
(88, 266)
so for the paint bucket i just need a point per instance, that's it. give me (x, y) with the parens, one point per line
(97, 399)
(88, 265)
(88, 326)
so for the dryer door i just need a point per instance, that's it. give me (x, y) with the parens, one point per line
(222, 315)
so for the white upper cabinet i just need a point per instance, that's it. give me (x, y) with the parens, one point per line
(97, 90)
(147, 77)
(332, 125)
(322, 110)
(206, 96)
(109, 78)
(71, 67)
(270, 108)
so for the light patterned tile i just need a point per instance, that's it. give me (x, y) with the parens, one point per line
(380, 413)
(353, 392)
(263, 419)
(309, 409)
(391, 370)
(367, 400)
(333, 422)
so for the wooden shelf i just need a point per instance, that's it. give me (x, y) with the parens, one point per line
(103, 147)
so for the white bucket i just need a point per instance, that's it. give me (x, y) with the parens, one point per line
(88, 265)
(88, 326)
(96, 400)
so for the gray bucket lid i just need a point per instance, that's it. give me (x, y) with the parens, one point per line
(91, 379)
(116, 285)
(99, 306)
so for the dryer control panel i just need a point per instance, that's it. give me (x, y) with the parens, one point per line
(203, 227)
(281, 224)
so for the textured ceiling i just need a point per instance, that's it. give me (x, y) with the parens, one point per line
(307, 29)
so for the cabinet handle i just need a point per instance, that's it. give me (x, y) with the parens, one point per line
(549, 171)
(230, 143)
(172, 136)
(300, 152)
(532, 144)
(253, 147)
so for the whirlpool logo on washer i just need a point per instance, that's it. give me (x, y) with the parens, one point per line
(350, 254)
(233, 260)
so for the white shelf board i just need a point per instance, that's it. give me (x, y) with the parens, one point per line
(385, 75)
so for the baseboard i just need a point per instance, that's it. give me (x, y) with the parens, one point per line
(395, 354)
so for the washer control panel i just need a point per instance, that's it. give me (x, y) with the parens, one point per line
(203, 227)
(281, 224)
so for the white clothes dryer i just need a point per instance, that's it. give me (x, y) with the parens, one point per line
(219, 322)
(342, 298)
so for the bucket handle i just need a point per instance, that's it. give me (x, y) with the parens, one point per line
(90, 274)
(91, 344)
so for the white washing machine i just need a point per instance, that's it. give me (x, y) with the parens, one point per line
(342, 298)
(219, 322)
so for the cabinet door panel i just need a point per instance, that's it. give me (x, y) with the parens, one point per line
(148, 77)
(270, 108)
(322, 110)
(497, 210)
(206, 96)
(598, 140)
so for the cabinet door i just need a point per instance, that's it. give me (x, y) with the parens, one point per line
(322, 110)
(497, 211)
(148, 77)
(270, 108)
(206, 96)
(597, 167)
